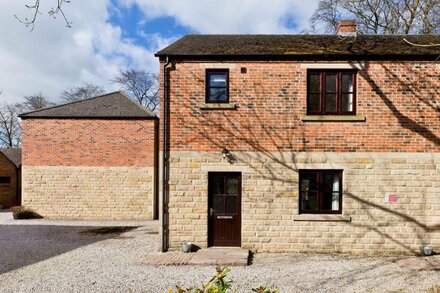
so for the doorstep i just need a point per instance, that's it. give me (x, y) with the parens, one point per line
(219, 256)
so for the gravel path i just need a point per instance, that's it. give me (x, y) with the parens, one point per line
(53, 256)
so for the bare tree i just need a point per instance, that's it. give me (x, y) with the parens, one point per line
(34, 102)
(88, 90)
(380, 16)
(10, 130)
(53, 12)
(141, 85)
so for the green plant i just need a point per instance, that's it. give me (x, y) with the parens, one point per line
(264, 289)
(24, 213)
(219, 284)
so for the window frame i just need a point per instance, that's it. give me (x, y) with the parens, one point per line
(8, 181)
(322, 74)
(208, 86)
(320, 190)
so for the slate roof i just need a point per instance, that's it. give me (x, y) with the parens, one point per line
(303, 46)
(13, 155)
(112, 105)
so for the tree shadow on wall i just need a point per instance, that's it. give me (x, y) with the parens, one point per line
(273, 150)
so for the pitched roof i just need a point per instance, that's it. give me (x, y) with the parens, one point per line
(13, 155)
(112, 105)
(302, 46)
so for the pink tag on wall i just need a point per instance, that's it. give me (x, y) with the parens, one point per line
(391, 197)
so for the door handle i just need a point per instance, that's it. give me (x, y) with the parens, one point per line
(211, 212)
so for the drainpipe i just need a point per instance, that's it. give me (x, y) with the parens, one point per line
(18, 186)
(165, 179)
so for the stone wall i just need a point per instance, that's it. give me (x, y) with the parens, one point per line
(8, 191)
(270, 216)
(113, 193)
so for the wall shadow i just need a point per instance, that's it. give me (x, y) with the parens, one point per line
(22, 245)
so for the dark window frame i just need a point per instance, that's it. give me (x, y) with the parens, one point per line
(322, 91)
(320, 190)
(208, 86)
(5, 182)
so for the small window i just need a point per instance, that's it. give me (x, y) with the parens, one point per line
(320, 191)
(217, 86)
(331, 92)
(5, 180)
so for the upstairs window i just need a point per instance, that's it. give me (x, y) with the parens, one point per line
(217, 86)
(331, 92)
(320, 191)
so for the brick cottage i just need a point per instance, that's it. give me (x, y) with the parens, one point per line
(10, 185)
(290, 143)
(92, 159)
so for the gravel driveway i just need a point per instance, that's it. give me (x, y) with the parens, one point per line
(59, 256)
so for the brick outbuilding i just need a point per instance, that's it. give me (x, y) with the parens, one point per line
(10, 189)
(91, 159)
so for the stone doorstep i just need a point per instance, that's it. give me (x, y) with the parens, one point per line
(228, 256)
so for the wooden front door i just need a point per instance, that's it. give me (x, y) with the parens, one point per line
(224, 209)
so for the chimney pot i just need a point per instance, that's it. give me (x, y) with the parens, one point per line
(346, 28)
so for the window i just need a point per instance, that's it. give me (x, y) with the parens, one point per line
(320, 191)
(5, 180)
(217, 86)
(331, 92)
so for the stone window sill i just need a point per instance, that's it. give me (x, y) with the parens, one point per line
(322, 218)
(352, 118)
(218, 106)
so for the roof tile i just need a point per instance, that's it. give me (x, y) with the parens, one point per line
(112, 105)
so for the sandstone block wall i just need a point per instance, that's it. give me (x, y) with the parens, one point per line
(82, 192)
(270, 215)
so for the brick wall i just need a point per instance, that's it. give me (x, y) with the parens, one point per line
(89, 168)
(88, 142)
(396, 149)
(399, 100)
(8, 192)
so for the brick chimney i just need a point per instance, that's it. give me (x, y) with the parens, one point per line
(346, 28)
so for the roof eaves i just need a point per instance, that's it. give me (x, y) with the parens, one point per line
(427, 57)
(93, 117)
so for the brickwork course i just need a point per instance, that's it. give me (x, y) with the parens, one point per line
(98, 165)
(392, 147)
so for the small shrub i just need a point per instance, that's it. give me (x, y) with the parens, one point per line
(264, 289)
(219, 284)
(24, 213)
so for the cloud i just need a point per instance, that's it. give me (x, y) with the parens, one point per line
(232, 16)
(53, 58)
